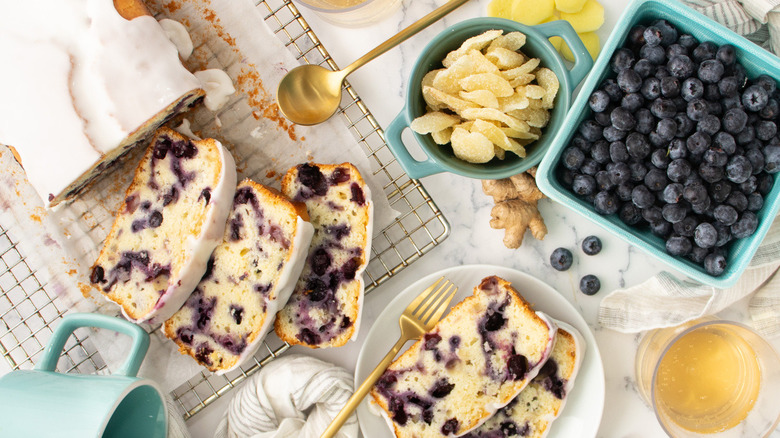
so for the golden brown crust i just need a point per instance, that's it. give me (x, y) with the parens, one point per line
(130, 9)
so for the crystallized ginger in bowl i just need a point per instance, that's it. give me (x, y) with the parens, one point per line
(485, 98)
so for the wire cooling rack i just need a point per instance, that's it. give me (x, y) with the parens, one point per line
(29, 311)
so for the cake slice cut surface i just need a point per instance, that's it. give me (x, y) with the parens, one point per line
(325, 307)
(172, 218)
(531, 413)
(475, 361)
(249, 277)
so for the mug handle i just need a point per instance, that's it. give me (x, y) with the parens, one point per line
(70, 323)
(414, 168)
(582, 60)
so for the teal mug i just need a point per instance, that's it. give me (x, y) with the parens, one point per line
(441, 158)
(44, 403)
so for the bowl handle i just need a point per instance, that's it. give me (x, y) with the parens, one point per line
(77, 320)
(414, 168)
(582, 60)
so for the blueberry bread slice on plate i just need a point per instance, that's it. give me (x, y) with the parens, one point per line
(532, 412)
(249, 278)
(324, 310)
(474, 361)
(172, 218)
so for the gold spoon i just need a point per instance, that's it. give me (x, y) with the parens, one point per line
(310, 94)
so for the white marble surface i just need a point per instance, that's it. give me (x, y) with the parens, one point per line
(382, 85)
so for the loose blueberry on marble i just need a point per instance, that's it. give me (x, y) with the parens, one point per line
(590, 284)
(561, 259)
(591, 245)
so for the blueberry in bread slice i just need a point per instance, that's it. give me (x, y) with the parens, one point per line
(475, 361)
(324, 310)
(249, 278)
(532, 412)
(172, 218)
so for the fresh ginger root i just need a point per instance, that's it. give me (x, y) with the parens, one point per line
(515, 210)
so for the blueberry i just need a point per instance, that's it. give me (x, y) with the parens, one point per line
(697, 109)
(638, 171)
(449, 427)
(702, 207)
(602, 118)
(605, 203)
(711, 173)
(590, 130)
(645, 121)
(771, 110)
(726, 54)
(651, 88)
(731, 102)
(632, 101)
(738, 169)
(720, 190)
(656, 180)
(676, 49)
(725, 214)
(612, 89)
(728, 86)
(590, 284)
(710, 71)
(618, 152)
(661, 72)
(680, 66)
(663, 108)
(561, 259)
(715, 157)
(756, 158)
(591, 245)
(652, 36)
(694, 192)
(688, 41)
(612, 134)
(629, 81)
(767, 83)
(669, 33)
(709, 124)
(685, 126)
(619, 172)
(598, 101)
(673, 193)
(622, 59)
(623, 191)
(704, 51)
(771, 160)
(725, 142)
(661, 228)
(754, 98)
(724, 234)
(603, 180)
(630, 214)
(656, 55)
(666, 129)
(749, 186)
(590, 167)
(660, 158)
(573, 158)
(584, 185)
(622, 119)
(678, 170)
(698, 254)
(686, 227)
(765, 130)
(642, 197)
(765, 182)
(637, 145)
(645, 68)
(678, 245)
(755, 202)
(734, 120)
(674, 213)
(738, 200)
(747, 135)
(670, 87)
(715, 264)
(600, 152)
(698, 143)
(636, 36)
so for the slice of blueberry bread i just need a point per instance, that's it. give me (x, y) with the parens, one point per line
(532, 412)
(324, 310)
(172, 218)
(475, 361)
(249, 278)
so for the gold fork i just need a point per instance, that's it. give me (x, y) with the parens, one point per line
(419, 318)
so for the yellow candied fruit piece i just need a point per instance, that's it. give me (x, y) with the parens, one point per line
(589, 19)
(569, 6)
(500, 8)
(531, 12)
(591, 42)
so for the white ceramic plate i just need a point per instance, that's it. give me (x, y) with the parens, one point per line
(582, 413)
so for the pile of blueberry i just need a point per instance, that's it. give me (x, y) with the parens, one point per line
(680, 141)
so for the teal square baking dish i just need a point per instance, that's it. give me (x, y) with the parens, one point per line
(755, 60)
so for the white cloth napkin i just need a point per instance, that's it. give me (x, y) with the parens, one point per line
(663, 300)
(274, 402)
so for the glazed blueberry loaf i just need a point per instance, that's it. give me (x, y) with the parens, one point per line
(172, 218)
(324, 310)
(475, 361)
(249, 278)
(532, 412)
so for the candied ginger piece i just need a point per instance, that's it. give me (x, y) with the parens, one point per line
(547, 79)
(471, 146)
(491, 82)
(481, 97)
(477, 42)
(432, 122)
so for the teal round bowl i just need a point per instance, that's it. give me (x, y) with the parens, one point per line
(440, 158)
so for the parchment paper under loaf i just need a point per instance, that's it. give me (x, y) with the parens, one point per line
(227, 34)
